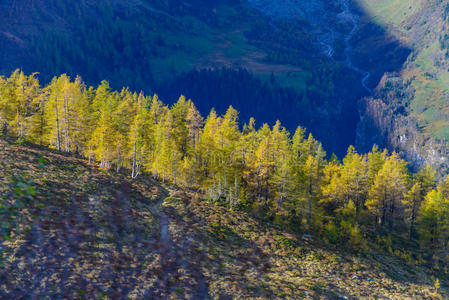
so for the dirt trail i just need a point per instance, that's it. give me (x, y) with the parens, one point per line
(170, 262)
(156, 209)
(164, 239)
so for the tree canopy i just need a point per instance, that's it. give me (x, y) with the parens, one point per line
(285, 178)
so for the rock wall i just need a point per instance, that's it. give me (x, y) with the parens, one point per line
(386, 122)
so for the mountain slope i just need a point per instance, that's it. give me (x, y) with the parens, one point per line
(152, 45)
(317, 58)
(408, 111)
(152, 41)
(87, 233)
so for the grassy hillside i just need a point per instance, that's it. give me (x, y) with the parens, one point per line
(72, 230)
(391, 12)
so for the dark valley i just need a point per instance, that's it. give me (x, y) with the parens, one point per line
(246, 54)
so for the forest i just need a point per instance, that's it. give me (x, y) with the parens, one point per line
(363, 201)
(218, 53)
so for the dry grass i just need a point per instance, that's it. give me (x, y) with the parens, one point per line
(90, 234)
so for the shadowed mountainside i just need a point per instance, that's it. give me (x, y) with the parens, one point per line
(297, 59)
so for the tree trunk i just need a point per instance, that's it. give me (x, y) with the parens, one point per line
(41, 133)
(133, 172)
(5, 129)
(118, 160)
(18, 122)
(58, 137)
(391, 219)
(309, 207)
(68, 126)
(412, 221)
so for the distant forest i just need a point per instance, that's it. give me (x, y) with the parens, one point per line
(326, 116)
(143, 46)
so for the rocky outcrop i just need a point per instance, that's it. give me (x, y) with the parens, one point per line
(408, 109)
(386, 122)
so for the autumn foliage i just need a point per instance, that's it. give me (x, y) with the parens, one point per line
(284, 178)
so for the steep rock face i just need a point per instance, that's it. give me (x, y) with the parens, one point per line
(408, 111)
(385, 122)
(380, 126)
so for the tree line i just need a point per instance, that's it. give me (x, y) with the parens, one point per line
(363, 200)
